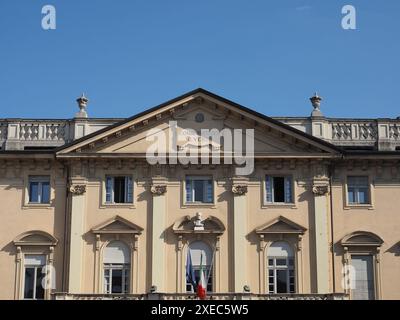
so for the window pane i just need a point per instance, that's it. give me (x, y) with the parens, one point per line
(116, 281)
(363, 196)
(189, 196)
(288, 190)
(268, 188)
(109, 181)
(199, 190)
(39, 286)
(126, 280)
(129, 190)
(270, 262)
(281, 281)
(119, 189)
(45, 192)
(29, 283)
(34, 192)
(209, 191)
(351, 195)
(279, 189)
(281, 262)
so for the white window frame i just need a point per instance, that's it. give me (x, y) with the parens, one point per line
(40, 180)
(193, 178)
(36, 267)
(274, 268)
(126, 274)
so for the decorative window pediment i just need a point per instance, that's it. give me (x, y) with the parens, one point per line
(281, 225)
(35, 238)
(362, 238)
(117, 225)
(196, 225)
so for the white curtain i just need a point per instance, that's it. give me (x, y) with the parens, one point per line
(117, 252)
(196, 249)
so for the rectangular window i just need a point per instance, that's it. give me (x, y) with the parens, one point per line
(281, 277)
(199, 190)
(119, 189)
(116, 278)
(279, 189)
(39, 189)
(358, 190)
(33, 276)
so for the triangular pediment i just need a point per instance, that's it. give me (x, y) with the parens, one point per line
(281, 225)
(117, 225)
(191, 113)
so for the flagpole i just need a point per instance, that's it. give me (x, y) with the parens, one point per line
(212, 263)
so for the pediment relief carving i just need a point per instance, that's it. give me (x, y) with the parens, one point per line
(117, 225)
(196, 224)
(35, 238)
(281, 225)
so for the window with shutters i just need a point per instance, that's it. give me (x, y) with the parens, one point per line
(199, 189)
(119, 189)
(279, 189)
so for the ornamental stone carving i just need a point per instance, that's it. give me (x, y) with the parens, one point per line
(77, 189)
(239, 189)
(158, 189)
(320, 190)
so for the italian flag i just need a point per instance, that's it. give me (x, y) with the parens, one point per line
(201, 286)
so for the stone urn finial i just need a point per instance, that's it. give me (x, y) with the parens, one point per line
(316, 103)
(82, 104)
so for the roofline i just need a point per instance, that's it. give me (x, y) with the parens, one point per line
(215, 96)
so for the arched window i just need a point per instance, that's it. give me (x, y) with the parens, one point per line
(281, 273)
(199, 257)
(116, 260)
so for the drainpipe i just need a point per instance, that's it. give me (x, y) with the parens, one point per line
(332, 236)
(66, 219)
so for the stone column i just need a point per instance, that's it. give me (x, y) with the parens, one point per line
(78, 207)
(158, 236)
(321, 205)
(239, 234)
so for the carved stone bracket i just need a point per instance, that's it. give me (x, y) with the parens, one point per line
(320, 190)
(239, 189)
(158, 189)
(77, 189)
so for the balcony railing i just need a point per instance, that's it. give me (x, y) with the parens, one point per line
(189, 296)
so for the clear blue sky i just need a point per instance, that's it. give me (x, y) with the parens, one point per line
(267, 55)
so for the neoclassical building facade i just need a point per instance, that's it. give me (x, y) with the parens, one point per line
(85, 214)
